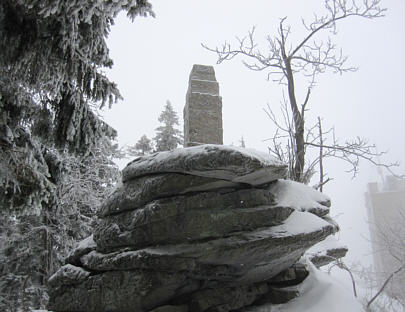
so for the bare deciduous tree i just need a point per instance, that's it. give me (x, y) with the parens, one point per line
(283, 60)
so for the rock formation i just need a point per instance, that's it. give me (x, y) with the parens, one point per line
(205, 228)
(203, 109)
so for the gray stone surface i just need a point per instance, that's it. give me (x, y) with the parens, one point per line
(68, 275)
(203, 109)
(202, 72)
(188, 218)
(249, 256)
(82, 248)
(227, 298)
(188, 226)
(229, 163)
(294, 275)
(136, 193)
(199, 229)
(121, 291)
(328, 256)
(204, 87)
(280, 295)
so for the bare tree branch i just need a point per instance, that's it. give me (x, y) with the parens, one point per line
(384, 285)
(352, 152)
(340, 264)
(308, 58)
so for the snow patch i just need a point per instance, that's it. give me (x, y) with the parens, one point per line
(264, 158)
(300, 222)
(319, 292)
(297, 195)
(207, 148)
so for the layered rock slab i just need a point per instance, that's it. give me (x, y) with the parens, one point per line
(245, 256)
(194, 217)
(187, 221)
(120, 291)
(152, 276)
(136, 193)
(207, 215)
(233, 164)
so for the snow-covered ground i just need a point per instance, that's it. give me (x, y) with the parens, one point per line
(320, 292)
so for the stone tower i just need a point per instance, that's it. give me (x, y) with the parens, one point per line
(203, 109)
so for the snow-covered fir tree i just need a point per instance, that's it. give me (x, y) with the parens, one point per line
(142, 147)
(35, 245)
(167, 136)
(52, 56)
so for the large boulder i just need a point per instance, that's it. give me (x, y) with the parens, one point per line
(206, 228)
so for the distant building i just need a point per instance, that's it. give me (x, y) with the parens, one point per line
(386, 214)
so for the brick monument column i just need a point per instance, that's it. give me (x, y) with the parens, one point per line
(203, 110)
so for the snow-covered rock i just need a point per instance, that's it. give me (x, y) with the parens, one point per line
(326, 251)
(205, 228)
(189, 218)
(300, 196)
(228, 163)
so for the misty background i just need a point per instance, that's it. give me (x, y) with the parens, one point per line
(153, 59)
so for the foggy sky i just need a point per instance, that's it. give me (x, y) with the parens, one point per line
(153, 58)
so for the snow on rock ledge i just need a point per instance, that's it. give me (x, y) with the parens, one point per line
(205, 228)
(300, 196)
(230, 163)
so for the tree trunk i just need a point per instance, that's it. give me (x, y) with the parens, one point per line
(321, 175)
(298, 169)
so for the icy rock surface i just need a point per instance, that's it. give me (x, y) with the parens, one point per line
(206, 228)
